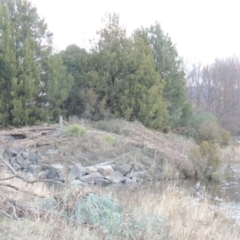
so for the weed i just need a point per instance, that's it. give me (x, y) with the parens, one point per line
(108, 140)
(75, 130)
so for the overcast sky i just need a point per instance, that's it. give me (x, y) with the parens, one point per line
(202, 30)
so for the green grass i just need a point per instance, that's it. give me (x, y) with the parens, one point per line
(75, 130)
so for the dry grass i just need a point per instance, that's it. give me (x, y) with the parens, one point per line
(184, 216)
(164, 156)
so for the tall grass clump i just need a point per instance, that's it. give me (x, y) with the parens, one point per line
(75, 130)
(108, 140)
(207, 161)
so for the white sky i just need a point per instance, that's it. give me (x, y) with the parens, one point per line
(202, 30)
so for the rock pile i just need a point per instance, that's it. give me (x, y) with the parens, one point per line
(29, 165)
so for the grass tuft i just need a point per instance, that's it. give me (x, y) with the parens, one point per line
(75, 130)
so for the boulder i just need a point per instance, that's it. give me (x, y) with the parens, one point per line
(141, 174)
(43, 174)
(53, 174)
(34, 170)
(124, 169)
(104, 170)
(34, 157)
(25, 164)
(16, 166)
(129, 180)
(91, 170)
(10, 152)
(115, 177)
(59, 169)
(77, 171)
(27, 176)
(25, 154)
(91, 178)
(102, 182)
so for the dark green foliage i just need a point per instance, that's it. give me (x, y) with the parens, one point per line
(168, 64)
(137, 77)
(28, 71)
(56, 84)
(120, 78)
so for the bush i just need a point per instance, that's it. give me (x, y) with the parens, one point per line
(106, 212)
(108, 139)
(204, 127)
(99, 210)
(206, 160)
(75, 130)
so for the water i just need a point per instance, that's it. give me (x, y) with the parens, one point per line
(223, 194)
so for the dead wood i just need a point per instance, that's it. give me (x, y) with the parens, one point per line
(15, 173)
(19, 190)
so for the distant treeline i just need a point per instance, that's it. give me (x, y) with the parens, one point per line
(215, 88)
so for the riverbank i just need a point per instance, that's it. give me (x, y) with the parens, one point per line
(160, 156)
(89, 212)
(97, 213)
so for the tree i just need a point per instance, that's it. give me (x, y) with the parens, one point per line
(57, 85)
(25, 49)
(126, 77)
(168, 64)
(77, 62)
(216, 89)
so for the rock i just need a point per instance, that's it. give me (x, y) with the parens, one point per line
(141, 174)
(20, 159)
(115, 177)
(124, 169)
(102, 182)
(16, 166)
(129, 180)
(53, 174)
(91, 170)
(34, 157)
(91, 178)
(10, 152)
(34, 170)
(25, 164)
(25, 154)
(60, 171)
(13, 160)
(77, 171)
(28, 176)
(109, 163)
(136, 179)
(104, 170)
(43, 174)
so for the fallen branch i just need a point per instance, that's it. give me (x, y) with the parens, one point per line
(4, 179)
(15, 173)
(17, 189)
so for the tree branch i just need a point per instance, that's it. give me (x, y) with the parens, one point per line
(17, 175)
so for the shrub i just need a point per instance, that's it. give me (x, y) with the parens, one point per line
(204, 127)
(108, 139)
(75, 130)
(206, 160)
(99, 210)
